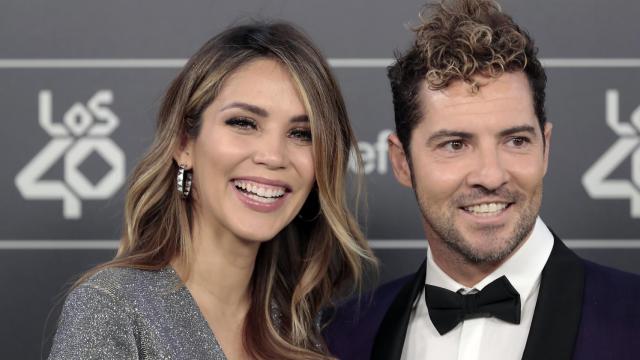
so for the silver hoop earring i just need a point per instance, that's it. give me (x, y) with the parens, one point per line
(184, 181)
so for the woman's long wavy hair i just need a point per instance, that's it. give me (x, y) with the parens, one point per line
(302, 269)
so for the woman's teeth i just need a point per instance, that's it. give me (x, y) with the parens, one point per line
(258, 191)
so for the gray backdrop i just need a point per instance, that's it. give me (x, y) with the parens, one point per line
(80, 83)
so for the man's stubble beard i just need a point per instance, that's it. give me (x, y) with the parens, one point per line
(442, 224)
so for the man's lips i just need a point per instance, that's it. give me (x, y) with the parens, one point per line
(487, 208)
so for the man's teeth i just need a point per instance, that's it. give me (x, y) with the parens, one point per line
(259, 191)
(486, 209)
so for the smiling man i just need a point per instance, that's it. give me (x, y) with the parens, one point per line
(473, 143)
(476, 166)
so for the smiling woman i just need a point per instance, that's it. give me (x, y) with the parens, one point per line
(253, 159)
(237, 231)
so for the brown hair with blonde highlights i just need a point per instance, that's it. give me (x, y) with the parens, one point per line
(302, 269)
(458, 40)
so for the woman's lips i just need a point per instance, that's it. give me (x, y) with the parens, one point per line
(260, 195)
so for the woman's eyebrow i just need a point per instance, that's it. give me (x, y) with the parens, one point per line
(248, 107)
(299, 119)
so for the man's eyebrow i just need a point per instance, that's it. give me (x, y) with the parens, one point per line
(518, 129)
(248, 107)
(444, 133)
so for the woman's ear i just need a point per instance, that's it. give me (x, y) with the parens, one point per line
(183, 154)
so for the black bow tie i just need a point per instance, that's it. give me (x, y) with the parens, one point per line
(447, 308)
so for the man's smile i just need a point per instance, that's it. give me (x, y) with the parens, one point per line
(487, 209)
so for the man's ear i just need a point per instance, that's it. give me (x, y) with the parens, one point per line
(547, 144)
(183, 154)
(399, 161)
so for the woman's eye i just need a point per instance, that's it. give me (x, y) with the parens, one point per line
(301, 134)
(241, 123)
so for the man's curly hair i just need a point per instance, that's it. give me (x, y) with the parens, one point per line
(457, 40)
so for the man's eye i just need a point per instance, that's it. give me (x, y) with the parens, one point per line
(301, 134)
(519, 141)
(453, 145)
(241, 123)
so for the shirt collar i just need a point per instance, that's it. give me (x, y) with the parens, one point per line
(523, 269)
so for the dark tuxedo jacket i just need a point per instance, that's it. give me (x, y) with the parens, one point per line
(584, 311)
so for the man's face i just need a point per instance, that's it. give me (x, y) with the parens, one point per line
(477, 163)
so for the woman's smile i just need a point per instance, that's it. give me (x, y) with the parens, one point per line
(252, 162)
(261, 195)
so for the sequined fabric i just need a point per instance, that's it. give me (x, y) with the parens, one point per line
(122, 313)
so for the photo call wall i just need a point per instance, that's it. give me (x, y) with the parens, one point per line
(81, 81)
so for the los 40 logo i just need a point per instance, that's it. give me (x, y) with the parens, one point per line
(596, 180)
(84, 129)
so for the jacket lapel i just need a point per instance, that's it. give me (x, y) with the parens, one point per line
(389, 340)
(556, 319)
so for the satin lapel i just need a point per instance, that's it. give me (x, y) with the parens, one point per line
(392, 331)
(556, 319)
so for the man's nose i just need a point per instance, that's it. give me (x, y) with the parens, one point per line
(489, 170)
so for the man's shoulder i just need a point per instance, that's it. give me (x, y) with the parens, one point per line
(606, 279)
(354, 323)
(383, 295)
(600, 281)
(613, 285)
(610, 320)
(357, 309)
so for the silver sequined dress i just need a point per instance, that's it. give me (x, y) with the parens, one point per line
(122, 313)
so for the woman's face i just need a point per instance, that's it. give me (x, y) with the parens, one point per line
(252, 161)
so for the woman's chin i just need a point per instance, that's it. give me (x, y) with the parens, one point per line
(257, 235)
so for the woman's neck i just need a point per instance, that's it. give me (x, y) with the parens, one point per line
(218, 277)
(220, 268)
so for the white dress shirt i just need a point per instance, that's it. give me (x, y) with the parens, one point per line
(482, 338)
